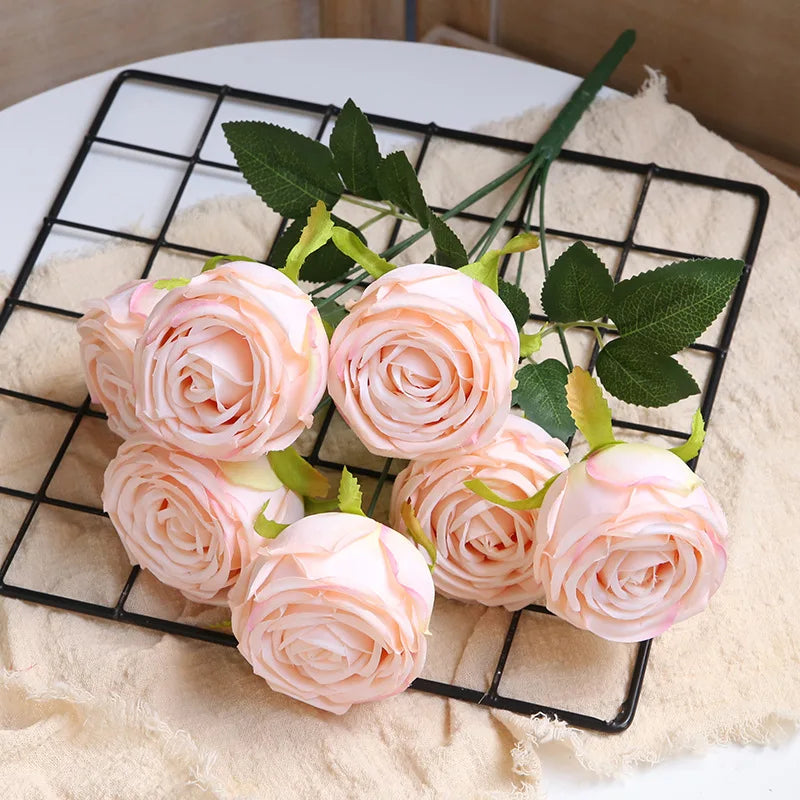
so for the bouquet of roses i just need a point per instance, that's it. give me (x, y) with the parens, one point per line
(210, 381)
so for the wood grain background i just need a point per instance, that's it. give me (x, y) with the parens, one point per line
(734, 63)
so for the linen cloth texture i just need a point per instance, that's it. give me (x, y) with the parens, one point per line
(95, 709)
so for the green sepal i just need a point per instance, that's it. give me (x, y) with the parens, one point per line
(268, 528)
(529, 343)
(297, 474)
(316, 233)
(414, 530)
(215, 261)
(170, 283)
(349, 496)
(485, 268)
(589, 408)
(312, 506)
(691, 447)
(526, 504)
(352, 246)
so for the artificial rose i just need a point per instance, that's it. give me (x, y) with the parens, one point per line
(334, 611)
(424, 362)
(182, 519)
(629, 542)
(232, 365)
(108, 333)
(484, 552)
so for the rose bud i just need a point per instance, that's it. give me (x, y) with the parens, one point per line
(231, 365)
(629, 542)
(334, 611)
(423, 363)
(181, 518)
(485, 552)
(108, 333)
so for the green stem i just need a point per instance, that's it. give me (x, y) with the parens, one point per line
(526, 227)
(379, 216)
(355, 201)
(554, 327)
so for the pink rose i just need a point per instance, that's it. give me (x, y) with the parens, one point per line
(232, 365)
(629, 542)
(424, 362)
(108, 332)
(182, 519)
(334, 611)
(484, 552)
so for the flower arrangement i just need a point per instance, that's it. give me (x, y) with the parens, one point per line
(211, 380)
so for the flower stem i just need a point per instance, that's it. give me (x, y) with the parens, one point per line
(379, 216)
(392, 210)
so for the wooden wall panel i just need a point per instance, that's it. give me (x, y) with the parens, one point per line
(735, 64)
(362, 19)
(44, 43)
(470, 16)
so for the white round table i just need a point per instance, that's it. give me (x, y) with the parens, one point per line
(425, 83)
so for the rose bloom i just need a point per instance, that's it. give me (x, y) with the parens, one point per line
(629, 542)
(182, 519)
(424, 362)
(484, 551)
(108, 332)
(334, 611)
(232, 365)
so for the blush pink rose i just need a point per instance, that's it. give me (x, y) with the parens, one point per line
(182, 519)
(334, 611)
(232, 365)
(108, 333)
(629, 542)
(484, 552)
(424, 362)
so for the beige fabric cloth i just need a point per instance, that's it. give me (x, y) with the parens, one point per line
(90, 708)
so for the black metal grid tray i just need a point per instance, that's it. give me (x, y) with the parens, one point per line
(429, 132)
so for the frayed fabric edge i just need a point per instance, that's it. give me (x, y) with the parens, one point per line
(177, 745)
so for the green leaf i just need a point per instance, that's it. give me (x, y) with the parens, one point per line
(355, 151)
(215, 261)
(287, 170)
(315, 234)
(398, 183)
(256, 474)
(579, 287)
(691, 447)
(529, 343)
(637, 375)
(349, 497)
(666, 309)
(416, 533)
(516, 301)
(332, 313)
(541, 394)
(326, 264)
(170, 283)
(526, 504)
(297, 474)
(485, 268)
(450, 251)
(589, 408)
(346, 241)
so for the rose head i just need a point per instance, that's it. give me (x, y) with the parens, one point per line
(232, 365)
(179, 517)
(484, 552)
(108, 333)
(423, 363)
(629, 542)
(334, 611)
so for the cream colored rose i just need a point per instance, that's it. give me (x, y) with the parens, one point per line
(182, 519)
(484, 552)
(629, 542)
(108, 333)
(424, 362)
(232, 365)
(334, 611)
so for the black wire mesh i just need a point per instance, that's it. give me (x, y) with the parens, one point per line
(55, 221)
